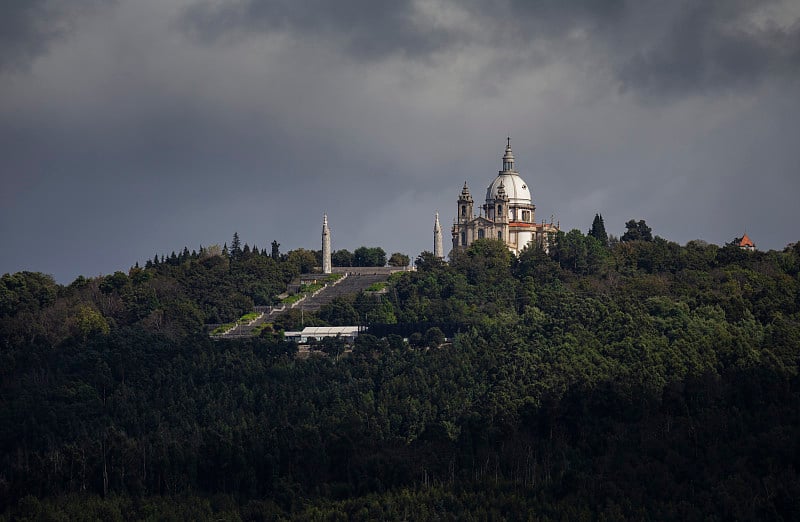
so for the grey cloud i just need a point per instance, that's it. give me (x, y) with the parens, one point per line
(28, 27)
(707, 46)
(364, 28)
(655, 49)
(658, 49)
(132, 139)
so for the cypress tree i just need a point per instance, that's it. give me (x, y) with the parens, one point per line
(236, 246)
(598, 230)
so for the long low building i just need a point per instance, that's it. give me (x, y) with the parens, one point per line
(348, 333)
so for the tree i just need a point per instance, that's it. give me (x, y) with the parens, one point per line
(434, 337)
(339, 312)
(637, 231)
(399, 260)
(427, 261)
(364, 256)
(598, 230)
(88, 322)
(236, 246)
(303, 259)
(276, 250)
(342, 258)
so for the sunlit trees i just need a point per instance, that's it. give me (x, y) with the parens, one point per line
(399, 260)
(364, 256)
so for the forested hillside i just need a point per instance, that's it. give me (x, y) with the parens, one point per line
(622, 380)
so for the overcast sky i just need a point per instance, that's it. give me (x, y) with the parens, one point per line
(139, 127)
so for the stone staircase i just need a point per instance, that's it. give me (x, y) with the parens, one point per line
(351, 283)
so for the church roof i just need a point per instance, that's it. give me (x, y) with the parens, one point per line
(745, 241)
(515, 187)
(509, 181)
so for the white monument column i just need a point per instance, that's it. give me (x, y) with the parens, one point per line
(326, 246)
(438, 249)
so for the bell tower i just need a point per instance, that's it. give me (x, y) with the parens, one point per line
(465, 205)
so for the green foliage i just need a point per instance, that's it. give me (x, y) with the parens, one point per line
(247, 318)
(304, 261)
(342, 258)
(26, 292)
(400, 260)
(427, 261)
(89, 322)
(637, 231)
(642, 380)
(294, 298)
(363, 256)
(221, 329)
(434, 337)
(376, 287)
(598, 230)
(339, 312)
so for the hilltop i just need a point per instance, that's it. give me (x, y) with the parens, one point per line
(635, 379)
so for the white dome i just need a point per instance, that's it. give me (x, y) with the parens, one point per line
(516, 189)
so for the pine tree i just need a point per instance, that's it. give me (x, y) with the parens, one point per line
(236, 246)
(598, 230)
(276, 252)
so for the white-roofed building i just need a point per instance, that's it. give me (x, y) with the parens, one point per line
(309, 333)
(508, 213)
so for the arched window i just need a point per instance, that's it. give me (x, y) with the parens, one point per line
(500, 235)
(499, 210)
(463, 239)
(463, 211)
(481, 233)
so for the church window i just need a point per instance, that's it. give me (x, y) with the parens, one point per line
(480, 233)
(463, 239)
(463, 210)
(499, 210)
(526, 215)
(500, 234)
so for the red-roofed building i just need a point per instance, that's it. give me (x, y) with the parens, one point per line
(745, 243)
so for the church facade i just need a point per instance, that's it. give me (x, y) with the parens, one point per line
(508, 213)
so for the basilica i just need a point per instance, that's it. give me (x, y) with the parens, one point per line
(507, 214)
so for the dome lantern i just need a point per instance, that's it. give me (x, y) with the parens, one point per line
(508, 157)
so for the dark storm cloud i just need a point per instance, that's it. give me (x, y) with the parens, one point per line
(365, 28)
(28, 27)
(656, 49)
(155, 124)
(709, 46)
(661, 49)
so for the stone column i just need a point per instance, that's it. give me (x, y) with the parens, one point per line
(326, 246)
(438, 248)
